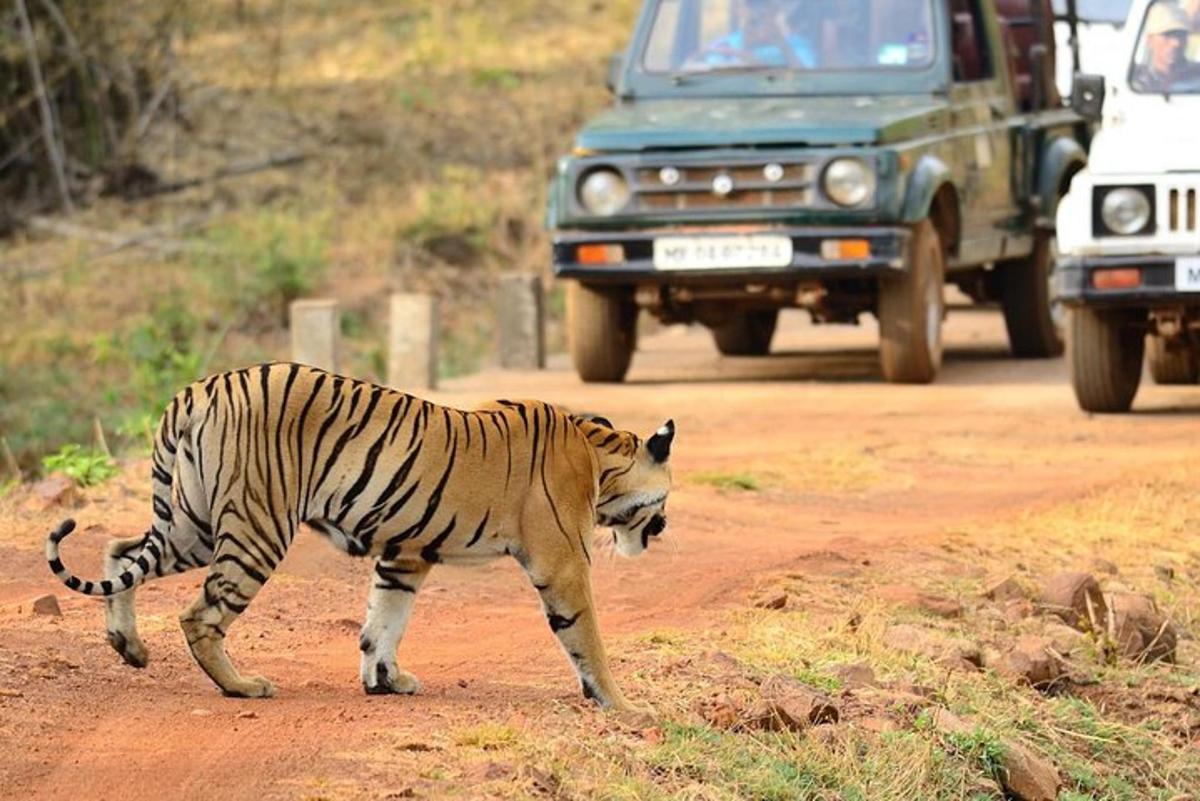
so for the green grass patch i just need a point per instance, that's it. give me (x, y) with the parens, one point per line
(730, 481)
(258, 263)
(84, 466)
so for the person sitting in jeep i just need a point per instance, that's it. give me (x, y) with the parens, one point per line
(764, 39)
(820, 34)
(1165, 66)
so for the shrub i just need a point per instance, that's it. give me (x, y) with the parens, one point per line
(84, 466)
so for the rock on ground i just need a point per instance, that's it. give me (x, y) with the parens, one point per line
(1076, 599)
(48, 606)
(776, 600)
(913, 598)
(1003, 589)
(1025, 775)
(855, 675)
(1064, 639)
(1028, 661)
(933, 644)
(55, 490)
(788, 704)
(1139, 629)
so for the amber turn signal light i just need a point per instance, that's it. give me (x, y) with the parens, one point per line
(845, 249)
(1123, 278)
(600, 254)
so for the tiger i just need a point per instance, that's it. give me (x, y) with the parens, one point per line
(242, 458)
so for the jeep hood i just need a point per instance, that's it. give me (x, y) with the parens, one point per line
(748, 121)
(1140, 147)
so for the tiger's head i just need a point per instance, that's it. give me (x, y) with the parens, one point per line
(634, 488)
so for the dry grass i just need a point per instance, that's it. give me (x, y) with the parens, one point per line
(1121, 735)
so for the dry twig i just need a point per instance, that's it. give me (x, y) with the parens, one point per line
(49, 131)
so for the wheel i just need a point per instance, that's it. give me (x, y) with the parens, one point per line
(747, 334)
(911, 307)
(1106, 350)
(1034, 320)
(1171, 365)
(601, 332)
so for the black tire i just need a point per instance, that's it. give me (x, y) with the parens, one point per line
(747, 334)
(601, 332)
(1171, 365)
(1106, 350)
(911, 308)
(1034, 321)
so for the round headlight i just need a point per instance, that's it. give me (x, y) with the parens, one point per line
(1125, 211)
(603, 191)
(848, 182)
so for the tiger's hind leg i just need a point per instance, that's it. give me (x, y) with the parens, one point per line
(188, 545)
(120, 616)
(394, 589)
(241, 565)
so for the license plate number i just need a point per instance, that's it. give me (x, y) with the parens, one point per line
(721, 252)
(1187, 274)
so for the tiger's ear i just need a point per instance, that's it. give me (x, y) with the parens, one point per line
(659, 445)
(597, 419)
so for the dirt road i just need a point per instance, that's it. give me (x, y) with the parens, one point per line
(842, 464)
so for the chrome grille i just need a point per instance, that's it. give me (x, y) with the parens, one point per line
(1181, 209)
(794, 185)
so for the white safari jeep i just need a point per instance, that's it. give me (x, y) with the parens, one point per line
(1128, 270)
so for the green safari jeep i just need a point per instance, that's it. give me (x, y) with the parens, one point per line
(840, 156)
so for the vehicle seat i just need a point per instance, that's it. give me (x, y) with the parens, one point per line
(1022, 82)
(968, 61)
(1027, 30)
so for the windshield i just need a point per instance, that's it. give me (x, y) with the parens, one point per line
(1110, 11)
(1167, 57)
(697, 36)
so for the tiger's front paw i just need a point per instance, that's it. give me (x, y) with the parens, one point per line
(257, 687)
(635, 715)
(385, 679)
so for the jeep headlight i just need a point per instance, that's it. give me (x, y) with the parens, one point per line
(849, 182)
(603, 191)
(1125, 210)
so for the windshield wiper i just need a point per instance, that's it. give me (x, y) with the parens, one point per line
(679, 76)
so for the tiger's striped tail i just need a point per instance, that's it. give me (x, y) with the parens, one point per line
(174, 424)
(135, 575)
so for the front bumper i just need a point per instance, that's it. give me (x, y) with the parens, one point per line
(887, 247)
(1076, 286)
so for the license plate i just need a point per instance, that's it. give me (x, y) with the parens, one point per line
(721, 252)
(1187, 274)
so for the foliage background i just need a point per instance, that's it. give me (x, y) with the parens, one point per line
(429, 132)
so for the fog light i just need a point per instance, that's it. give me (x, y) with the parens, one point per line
(600, 254)
(845, 249)
(1124, 278)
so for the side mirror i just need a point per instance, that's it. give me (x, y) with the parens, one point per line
(1087, 96)
(616, 63)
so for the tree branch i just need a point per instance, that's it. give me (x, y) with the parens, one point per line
(49, 135)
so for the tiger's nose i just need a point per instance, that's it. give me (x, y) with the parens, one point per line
(656, 525)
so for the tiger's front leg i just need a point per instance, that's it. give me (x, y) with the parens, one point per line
(394, 589)
(566, 592)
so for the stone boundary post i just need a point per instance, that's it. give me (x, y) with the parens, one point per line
(315, 333)
(522, 316)
(412, 342)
